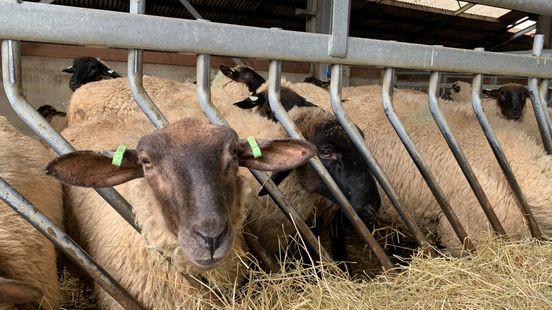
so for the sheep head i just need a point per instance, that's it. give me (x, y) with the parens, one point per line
(192, 170)
(88, 69)
(244, 74)
(510, 98)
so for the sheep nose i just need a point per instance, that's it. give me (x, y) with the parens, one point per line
(212, 240)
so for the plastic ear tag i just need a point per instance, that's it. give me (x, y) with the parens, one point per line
(253, 98)
(110, 71)
(254, 147)
(118, 156)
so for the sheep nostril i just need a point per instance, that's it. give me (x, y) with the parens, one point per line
(212, 243)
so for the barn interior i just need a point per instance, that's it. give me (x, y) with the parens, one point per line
(449, 23)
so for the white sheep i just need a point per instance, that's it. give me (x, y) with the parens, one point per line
(191, 203)
(529, 164)
(25, 254)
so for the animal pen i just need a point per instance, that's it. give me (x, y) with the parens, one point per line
(24, 21)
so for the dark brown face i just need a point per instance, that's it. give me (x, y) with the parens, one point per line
(511, 100)
(244, 74)
(195, 181)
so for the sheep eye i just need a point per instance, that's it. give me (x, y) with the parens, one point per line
(326, 153)
(146, 162)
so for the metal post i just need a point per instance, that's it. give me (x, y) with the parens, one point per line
(204, 96)
(420, 163)
(65, 244)
(291, 129)
(543, 92)
(340, 28)
(538, 106)
(459, 154)
(134, 71)
(367, 155)
(11, 69)
(501, 157)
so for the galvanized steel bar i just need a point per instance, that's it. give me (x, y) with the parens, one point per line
(541, 7)
(65, 244)
(134, 72)
(27, 21)
(543, 92)
(459, 154)
(11, 70)
(367, 155)
(501, 157)
(538, 106)
(282, 117)
(341, 9)
(419, 161)
(213, 115)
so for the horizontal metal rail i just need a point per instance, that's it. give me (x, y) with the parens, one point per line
(501, 157)
(11, 71)
(368, 156)
(27, 21)
(66, 245)
(539, 107)
(459, 154)
(420, 162)
(316, 164)
(213, 115)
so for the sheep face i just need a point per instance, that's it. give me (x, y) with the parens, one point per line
(511, 100)
(49, 112)
(345, 165)
(88, 69)
(244, 74)
(192, 170)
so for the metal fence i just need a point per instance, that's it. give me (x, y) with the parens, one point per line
(28, 21)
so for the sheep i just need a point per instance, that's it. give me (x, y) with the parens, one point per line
(193, 212)
(56, 118)
(88, 69)
(528, 161)
(27, 258)
(317, 82)
(245, 75)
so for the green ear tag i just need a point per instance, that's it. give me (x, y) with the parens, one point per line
(118, 156)
(110, 71)
(254, 147)
(253, 98)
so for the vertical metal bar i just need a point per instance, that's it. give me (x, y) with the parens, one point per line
(64, 243)
(420, 163)
(134, 71)
(501, 157)
(538, 106)
(367, 155)
(11, 70)
(459, 154)
(337, 46)
(316, 164)
(543, 91)
(204, 96)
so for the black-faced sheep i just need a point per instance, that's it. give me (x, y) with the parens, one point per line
(88, 69)
(245, 75)
(58, 119)
(187, 195)
(26, 256)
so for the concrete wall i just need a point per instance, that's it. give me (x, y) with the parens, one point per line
(45, 83)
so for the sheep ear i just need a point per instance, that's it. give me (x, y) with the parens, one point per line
(276, 155)
(110, 72)
(277, 178)
(69, 69)
(249, 102)
(95, 169)
(17, 292)
(491, 92)
(229, 72)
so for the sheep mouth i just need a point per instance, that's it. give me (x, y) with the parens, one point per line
(207, 263)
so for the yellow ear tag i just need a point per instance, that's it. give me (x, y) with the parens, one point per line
(118, 156)
(254, 147)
